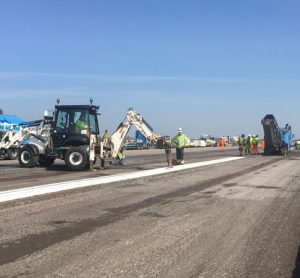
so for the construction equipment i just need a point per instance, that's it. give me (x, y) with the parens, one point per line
(11, 141)
(9, 125)
(277, 140)
(115, 142)
(68, 138)
(141, 141)
(8, 121)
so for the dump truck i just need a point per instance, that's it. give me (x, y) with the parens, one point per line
(277, 140)
(141, 141)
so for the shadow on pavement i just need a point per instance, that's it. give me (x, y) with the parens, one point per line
(296, 272)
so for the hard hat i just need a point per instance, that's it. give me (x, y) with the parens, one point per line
(179, 129)
(249, 135)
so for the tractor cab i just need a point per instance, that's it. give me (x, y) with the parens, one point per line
(73, 125)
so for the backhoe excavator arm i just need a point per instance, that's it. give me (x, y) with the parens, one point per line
(132, 119)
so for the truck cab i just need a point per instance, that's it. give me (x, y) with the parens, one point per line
(73, 125)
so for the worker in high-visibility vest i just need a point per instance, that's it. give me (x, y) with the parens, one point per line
(105, 136)
(248, 144)
(254, 144)
(262, 145)
(121, 157)
(256, 141)
(242, 144)
(82, 123)
(251, 144)
(181, 141)
(222, 144)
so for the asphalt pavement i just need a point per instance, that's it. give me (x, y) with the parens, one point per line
(234, 219)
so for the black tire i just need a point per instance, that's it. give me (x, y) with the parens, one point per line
(76, 159)
(27, 157)
(13, 154)
(46, 161)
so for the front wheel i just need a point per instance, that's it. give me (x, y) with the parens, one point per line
(27, 157)
(76, 159)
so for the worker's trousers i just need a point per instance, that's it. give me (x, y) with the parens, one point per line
(180, 154)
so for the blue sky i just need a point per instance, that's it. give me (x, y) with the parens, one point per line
(208, 66)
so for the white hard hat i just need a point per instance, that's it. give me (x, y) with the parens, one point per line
(249, 135)
(180, 129)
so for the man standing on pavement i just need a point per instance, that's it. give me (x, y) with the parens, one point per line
(248, 144)
(181, 141)
(222, 144)
(262, 145)
(242, 144)
(255, 144)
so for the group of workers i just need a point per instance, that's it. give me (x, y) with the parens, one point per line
(247, 145)
(250, 144)
(180, 140)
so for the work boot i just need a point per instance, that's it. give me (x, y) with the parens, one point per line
(182, 162)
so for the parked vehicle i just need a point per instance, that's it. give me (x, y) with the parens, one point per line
(141, 140)
(194, 143)
(202, 143)
(131, 146)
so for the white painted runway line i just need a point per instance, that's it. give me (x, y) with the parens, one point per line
(10, 195)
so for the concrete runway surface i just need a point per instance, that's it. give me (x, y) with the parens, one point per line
(235, 219)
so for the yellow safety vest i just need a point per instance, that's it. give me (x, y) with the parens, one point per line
(181, 141)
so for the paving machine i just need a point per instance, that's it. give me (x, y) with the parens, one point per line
(277, 140)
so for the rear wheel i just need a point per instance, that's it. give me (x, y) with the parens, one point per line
(12, 154)
(76, 159)
(27, 157)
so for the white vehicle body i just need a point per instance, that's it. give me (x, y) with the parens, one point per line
(202, 143)
(37, 135)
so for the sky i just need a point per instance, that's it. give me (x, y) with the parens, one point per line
(209, 67)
